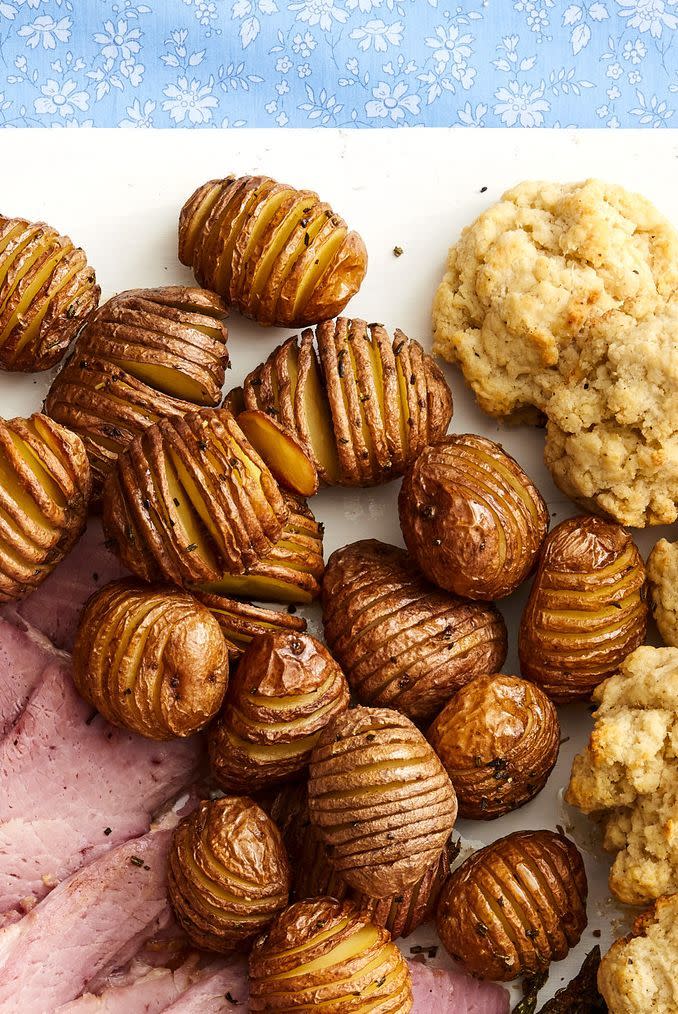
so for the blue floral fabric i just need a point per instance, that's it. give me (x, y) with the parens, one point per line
(331, 63)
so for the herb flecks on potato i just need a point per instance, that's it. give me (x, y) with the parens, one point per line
(586, 612)
(362, 405)
(326, 953)
(402, 643)
(46, 289)
(44, 491)
(151, 659)
(515, 906)
(471, 518)
(278, 254)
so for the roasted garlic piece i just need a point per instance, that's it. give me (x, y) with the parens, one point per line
(515, 906)
(586, 611)
(45, 486)
(284, 692)
(228, 873)
(46, 289)
(498, 739)
(471, 518)
(401, 642)
(326, 953)
(241, 622)
(381, 800)
(151, 659)
(280, 255)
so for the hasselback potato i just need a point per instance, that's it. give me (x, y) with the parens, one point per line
(151, 659)
(280, 255)
(361, 405)
(190, 500)
(381, 800)
(471, 518)
(586, 611)
(145, 354)
(46, 289)
(401, 642)
(325, 953)
(498, 739)
(228, 873)
(45, 486)
(515, 906)
(284, 692)
(241, 622)
(282, 451)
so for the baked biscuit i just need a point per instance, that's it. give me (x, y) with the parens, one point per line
(662, 578)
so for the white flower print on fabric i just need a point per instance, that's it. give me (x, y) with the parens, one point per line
(62, 99)
(46, 32)
(653, 16)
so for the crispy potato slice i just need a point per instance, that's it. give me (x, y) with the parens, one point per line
(281, 451)
(240, 622)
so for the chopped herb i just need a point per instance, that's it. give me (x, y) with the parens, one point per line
(532, 933)
(192, 548)
(232, 999)
(427, 510)
(397, 349)
(135, 861)
(483, 190)
(107, 831)
(397, 251)
(481, 929)
(307, 239)
(291, 609)
(202, 445)
(176, 502)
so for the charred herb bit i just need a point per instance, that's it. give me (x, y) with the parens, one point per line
(481, 929)
(175, 501)
(483, 190)
(135, 861)
(531, 987)
(398, 251)
(341, 368)
(192, 548)
(399, 348)
(291, 609)
(232, 999)
(581, 995)
(107, 831)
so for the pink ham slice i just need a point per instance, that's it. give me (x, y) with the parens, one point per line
(452, 991)
(107, 908)
(25, 655)
(224, 990)
(54, 608)
(72, 786)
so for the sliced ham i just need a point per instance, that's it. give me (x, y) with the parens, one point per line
(452, 991)
(223, 990)
(54, 608)
(104, 909)
(71, 786)
(24, 656)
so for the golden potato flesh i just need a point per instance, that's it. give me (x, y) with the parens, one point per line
(515, 906)
(280, 255)
(401, 642)
(362, 405)
(381, 800)
(151, 659)
(284, 692)
(498, 739)
(240, 622)
(324, 953)
(190, 500)
(47, 288)
(290, 572)
(228, 873)
(45, 486)
(281, 450)
(586, 612)
(471, 518)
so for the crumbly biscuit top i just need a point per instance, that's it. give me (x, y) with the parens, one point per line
(662, 575)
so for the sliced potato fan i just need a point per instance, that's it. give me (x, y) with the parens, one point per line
(281, 450)
(44, 491)
(241, 622)
(362, 406)
(46, 289)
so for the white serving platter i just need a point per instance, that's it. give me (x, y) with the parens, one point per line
(118, 194)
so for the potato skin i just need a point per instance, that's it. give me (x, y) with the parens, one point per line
(479, 542)
(241, 622)
(145, 518)
(36, 330)
(33, 542)
(282, 976)
(401, 801)
(285, 690)
(401, 642)
(171, 677)
(278, 254)
(228, 873)
(514, 906)
(377, 400)
(498, 739)
(586, 611)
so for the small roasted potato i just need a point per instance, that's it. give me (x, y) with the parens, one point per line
(325, 953)
(471, 518)
(281, 450)
(47, 288)
(45, 485)
(241, 622)
(228, 874)
(381, 800)
(498, 739)
(291, 571)
(190, 500)
(362, 406)
(280, 255)
(515, 906)
(284, 692)
(586, 611)
(402, 643)
(151, 659)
